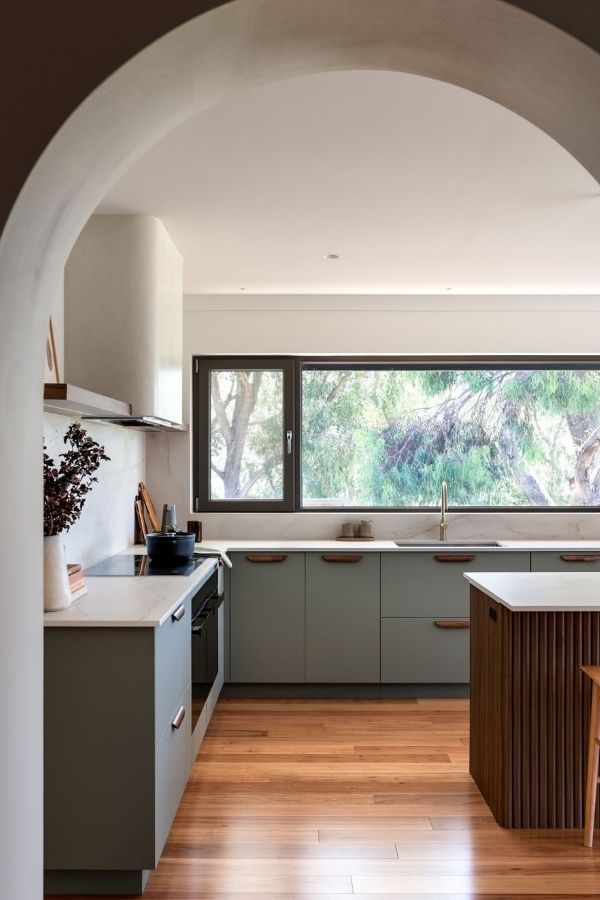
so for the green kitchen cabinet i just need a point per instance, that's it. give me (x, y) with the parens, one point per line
(417, 584)
(424, 651)
(117, 751)
(267, 618)
(342, 617)
(425, 612)
(565, 561)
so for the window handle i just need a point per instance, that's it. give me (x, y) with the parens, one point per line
(288, 437)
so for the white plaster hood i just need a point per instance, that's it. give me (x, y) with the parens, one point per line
(123, 318)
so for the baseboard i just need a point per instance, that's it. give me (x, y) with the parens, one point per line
(344, 691)
(97, 881)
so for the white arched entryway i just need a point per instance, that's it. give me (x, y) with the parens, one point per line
(485, 46)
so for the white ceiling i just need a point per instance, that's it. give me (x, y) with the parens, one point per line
(417, 185)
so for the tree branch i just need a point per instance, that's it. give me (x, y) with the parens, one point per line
(243, 491)
(220, 411)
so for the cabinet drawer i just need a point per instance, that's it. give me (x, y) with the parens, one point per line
(173, 763)
(418, 584)
(569, 561)
(417, 651)
(342, 617)
(267, 618)
(172, 665)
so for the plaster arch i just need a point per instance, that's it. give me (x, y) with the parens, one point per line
(485, 46)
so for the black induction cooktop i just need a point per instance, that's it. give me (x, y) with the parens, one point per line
(139, 564)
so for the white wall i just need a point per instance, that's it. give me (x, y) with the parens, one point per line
(224, 324)
(106, 525)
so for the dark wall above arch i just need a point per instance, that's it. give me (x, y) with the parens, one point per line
(581, 18)
(52, 55)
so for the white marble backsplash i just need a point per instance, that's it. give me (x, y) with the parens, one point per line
(107, 522)
(386, 526)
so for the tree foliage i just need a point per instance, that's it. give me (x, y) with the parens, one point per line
(388, 437)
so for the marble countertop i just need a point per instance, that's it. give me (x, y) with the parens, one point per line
(129, 602)
(541, 591)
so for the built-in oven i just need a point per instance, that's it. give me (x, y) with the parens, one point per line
(205, 642)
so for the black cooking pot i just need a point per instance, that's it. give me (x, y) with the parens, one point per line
(170, 549)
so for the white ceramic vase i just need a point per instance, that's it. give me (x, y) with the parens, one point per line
(57, 593)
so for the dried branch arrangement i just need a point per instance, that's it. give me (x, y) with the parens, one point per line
(67, 485)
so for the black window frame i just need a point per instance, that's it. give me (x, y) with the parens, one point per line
(202, 367)
(293, 367)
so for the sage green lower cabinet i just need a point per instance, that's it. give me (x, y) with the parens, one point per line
(567, 561)
(267, 618)
(422, 596)
(342, 617)
(432, 584)
(117, 751)
(421, 651)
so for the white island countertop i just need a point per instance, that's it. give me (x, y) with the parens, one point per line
(541, 591)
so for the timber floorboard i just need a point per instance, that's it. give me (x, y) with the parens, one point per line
(326, 799)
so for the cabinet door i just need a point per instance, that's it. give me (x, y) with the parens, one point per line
(342, 617)
(419, 651)
(267, 613)
(432, 584)
(173, 763)
(569, 561)
(172, 664)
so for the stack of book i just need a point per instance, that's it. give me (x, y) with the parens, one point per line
(76, 581)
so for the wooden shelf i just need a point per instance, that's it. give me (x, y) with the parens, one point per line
(68, 400)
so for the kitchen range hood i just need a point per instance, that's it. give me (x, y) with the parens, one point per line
(124, 320)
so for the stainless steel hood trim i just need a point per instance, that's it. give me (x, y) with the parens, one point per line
(141, 423)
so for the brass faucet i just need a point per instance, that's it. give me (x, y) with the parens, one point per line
(443, 511)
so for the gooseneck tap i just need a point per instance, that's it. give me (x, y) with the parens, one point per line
(443, 511)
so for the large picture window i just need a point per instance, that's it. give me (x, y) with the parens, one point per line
(385, 435)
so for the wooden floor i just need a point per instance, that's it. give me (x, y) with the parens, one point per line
(325, 799)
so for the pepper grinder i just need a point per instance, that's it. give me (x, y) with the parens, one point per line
(169, 519)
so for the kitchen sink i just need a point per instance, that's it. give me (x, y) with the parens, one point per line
(448, 544)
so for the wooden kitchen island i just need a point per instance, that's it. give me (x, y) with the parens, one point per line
(530, 703)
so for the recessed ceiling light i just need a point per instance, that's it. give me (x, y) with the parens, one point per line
(330, 256)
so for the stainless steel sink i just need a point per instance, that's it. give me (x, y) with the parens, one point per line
(447, 544)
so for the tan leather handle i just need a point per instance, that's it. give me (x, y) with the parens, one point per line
(179, 613)
(452, 623)
(342, 557)
(449, 558)
(176, 723)
(279, 557)
(586, 557)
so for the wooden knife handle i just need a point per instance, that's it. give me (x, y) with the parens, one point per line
(264, 558)
(452, 623)
(449, 558)
(342, 557)
(584, 557)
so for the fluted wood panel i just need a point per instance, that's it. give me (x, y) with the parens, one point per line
(529, 712)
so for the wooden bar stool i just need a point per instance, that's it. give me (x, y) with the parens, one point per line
(591, 786)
